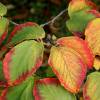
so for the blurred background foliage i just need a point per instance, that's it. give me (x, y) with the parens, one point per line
(40, 11)
(33, 10)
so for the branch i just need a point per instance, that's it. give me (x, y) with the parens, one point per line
(53, 20)
(14, 23)
(47, 23)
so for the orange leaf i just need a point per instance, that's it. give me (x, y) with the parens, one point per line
(80, 46)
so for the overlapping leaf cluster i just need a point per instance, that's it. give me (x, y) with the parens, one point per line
(70, 58)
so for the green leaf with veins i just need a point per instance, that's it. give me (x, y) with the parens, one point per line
(22, 91)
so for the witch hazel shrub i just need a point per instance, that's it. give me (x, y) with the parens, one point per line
(72, 72)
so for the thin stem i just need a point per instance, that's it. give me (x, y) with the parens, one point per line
(60, 14)
(13, 23)
(56, 17)
(47, 23)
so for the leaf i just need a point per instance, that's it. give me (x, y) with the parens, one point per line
(3, 9)
(2, 78)
(79, 20)
(3, 28)
(92, 34)
(80, 5)
(49, 72)
(26, 31)
(50, 89)
(19, 92)
(3, 51)
(97, 63)
(91, 90)
(69, 67)
(26, 57)
(80, 46)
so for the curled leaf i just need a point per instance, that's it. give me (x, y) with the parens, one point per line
(50, 89)
(80, 46)
(91, 90)
(22, 61)
(69, 67)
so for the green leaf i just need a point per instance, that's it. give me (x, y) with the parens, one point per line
(3, 9)
(22, 61)
(80, 5)
(49, 72)
(79, 21)
(23, 91)
(2, 78)
(3, 28)
(26, 31)
(91, 90)
(50, 89)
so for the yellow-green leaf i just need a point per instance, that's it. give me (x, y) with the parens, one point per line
(79, 5)
(92, 34)
(91, 90)
(69, 67)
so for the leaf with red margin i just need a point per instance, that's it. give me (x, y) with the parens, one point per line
(22, 61)
(91, 90)
(77, 5)
(23, 91)
(80, 46)
(3, 28)
(26, 31)
(69, 67)
(79, 20)
(92, 34)
(50, 89)
(3, 51)
(3, 82)
(2, 78)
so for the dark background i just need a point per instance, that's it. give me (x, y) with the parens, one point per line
(35, 10)
(40, 11)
